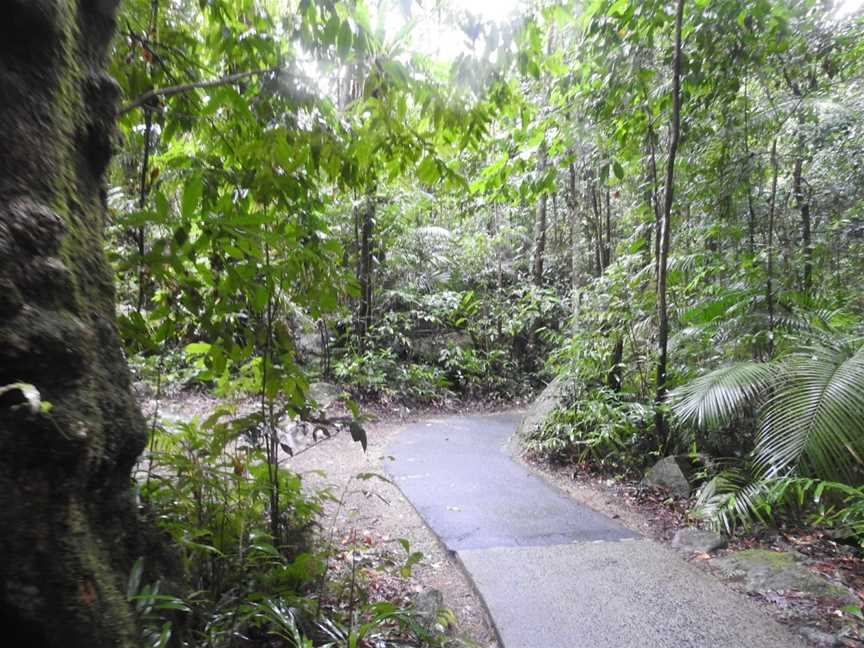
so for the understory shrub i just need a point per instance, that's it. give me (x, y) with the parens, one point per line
(378, 374)
(597, 426)
(808, 442)
(227, 581)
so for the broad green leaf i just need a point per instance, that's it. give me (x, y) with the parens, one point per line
(191, 201)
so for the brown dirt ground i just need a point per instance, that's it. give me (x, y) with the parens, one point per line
(374, 515)
(377, 511)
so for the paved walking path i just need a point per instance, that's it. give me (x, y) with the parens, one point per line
(554, 573)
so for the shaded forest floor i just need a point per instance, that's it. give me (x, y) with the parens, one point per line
(373, 513)
(369, 511)
(658, 516)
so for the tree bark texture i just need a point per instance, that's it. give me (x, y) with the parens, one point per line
(665, 229)
(67, 508)
(540, 226)
(365, 269)
(802, 201)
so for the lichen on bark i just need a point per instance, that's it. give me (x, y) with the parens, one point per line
(66, 505)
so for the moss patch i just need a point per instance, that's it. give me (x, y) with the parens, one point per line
(774, 559)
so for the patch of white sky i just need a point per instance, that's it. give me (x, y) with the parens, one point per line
(440, 37)
(427, 27)
(848, 7)
(433, 29)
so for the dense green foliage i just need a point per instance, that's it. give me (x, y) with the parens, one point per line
(206, 486)
(660, 204)
(764, 310)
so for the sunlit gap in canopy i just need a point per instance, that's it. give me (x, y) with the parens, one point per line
(436, 27)
(440, 30)
(845, 8)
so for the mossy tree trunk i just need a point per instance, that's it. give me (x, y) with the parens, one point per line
(67, 511)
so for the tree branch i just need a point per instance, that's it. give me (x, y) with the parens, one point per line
(186, 87)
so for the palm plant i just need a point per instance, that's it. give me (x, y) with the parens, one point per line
(809, 409)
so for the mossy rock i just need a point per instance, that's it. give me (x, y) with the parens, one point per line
(762, 571)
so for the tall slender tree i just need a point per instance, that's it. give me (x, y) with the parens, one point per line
(666, 227)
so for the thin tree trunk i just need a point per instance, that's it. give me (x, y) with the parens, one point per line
(665, 230)
(655, 200)
(751, 212)
(573, 206)
(769, 284)
(650, 203)
(597, 226)
(367, 224)
(145, 172)
(540, 225)
(556, 233)
(802, 201)
(614, 378)
(67, 510)
(140, 235)
(608, 245)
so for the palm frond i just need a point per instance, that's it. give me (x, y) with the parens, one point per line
(731, 499)
(815, 416)
(713, 400)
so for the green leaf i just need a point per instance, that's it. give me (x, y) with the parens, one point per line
(428, 171)
(191, 200)
(713, 400)
(134, 582)
(198, 348)
(344, 39)
(261, 297)
(854, 610)
(815, 416)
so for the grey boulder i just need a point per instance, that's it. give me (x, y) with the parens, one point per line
(548, 401)
(698, 541)
(324, 393)
(669, 474)
(427, 605)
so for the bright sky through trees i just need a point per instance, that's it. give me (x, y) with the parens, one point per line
(848, 7)
(433, 33)
(491, 9)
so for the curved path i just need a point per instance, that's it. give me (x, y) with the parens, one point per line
(554, 573)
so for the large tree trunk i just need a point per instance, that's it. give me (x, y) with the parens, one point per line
(67, 509)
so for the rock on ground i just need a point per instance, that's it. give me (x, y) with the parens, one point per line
(668, 473)
(548, 400)
(324, 393)
(429, 348)
(427, 604)
(766, 571)
(698, 540)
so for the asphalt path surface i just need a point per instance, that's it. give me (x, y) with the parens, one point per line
(552, 572)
